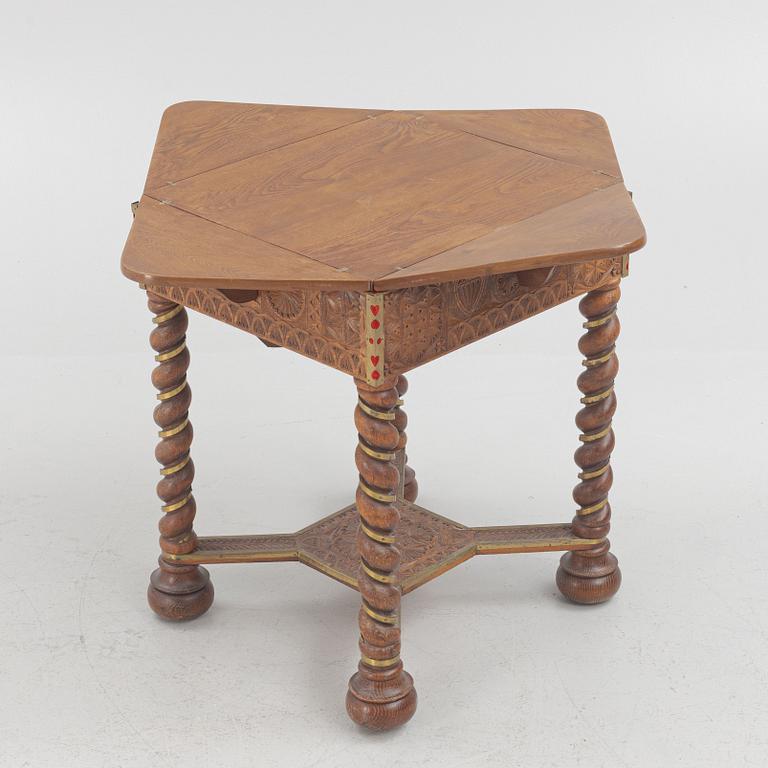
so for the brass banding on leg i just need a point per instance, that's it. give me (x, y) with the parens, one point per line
(384, 456)
(383, 415)
(178, 505)
(383, 578)
(591, 361)
(168, 315)
(379, 616)
(172, 392)
(600, 320)
(386, 497)
(171, 431)
(593, 508)
(594, 472)
(589, 399)
(595, 435)
(380, 537)
(176, 467)
(172, 353)
(380, 662)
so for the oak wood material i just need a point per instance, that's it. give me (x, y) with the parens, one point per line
(421, 323)
(374, 242)
(198, 136)
(169, 246)
(176, 591)
(381, 693)
(593, 576)
(374, 199)
(410, 488)
(430, 545)
(572, 232)
(577, 137)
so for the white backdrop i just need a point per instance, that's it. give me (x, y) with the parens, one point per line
(672, 672)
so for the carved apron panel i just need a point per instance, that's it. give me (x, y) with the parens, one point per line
(421, 323)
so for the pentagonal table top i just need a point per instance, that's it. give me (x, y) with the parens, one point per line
(269, 196)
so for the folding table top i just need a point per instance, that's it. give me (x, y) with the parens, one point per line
(269, 196)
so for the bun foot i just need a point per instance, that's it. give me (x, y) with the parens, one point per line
(380, 714)
(588, 577)
(180, 593)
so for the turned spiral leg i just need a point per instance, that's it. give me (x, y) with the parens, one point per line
(410, 486)
(593, 575)
(175, 591)
(381, 693)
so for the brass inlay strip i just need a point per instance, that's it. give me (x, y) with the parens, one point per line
(591, 361)
(201, 555)
(379, 616)
(437, 569)
(381, 663)
(594, 473)
(589, 399)
(590, 438)
(384, 578)
(600, 320)
(593, 508)
(386, 497)
(376, 454)
(172, 392)
(328, 570)
(172, 353)
(383, 415)
(171, 431)
(176, 467)
(376, 536)
(540, 545)
(177, 505)
(168, 315)
(399, 402)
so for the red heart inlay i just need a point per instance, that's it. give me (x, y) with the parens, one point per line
(375, 375)
(375, 324)
(375, 309)
(375, 359)
(370, 341)
(378, 341)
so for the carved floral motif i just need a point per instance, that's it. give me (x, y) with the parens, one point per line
(422, 323)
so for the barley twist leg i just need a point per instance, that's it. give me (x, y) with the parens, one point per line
(175, 592)
(381, 693)
(593, 575)
(410, 486)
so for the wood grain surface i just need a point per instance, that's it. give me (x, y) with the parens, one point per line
(258, 196)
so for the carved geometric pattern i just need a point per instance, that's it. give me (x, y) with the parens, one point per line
(422, 322)
(430, 545)
(428, 321)
(323, 325)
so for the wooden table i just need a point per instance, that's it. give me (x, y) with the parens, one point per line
(375, 241)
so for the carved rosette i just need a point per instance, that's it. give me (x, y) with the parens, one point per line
(323, 325)
(592, 576)
(424, 322)
(428, 321)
